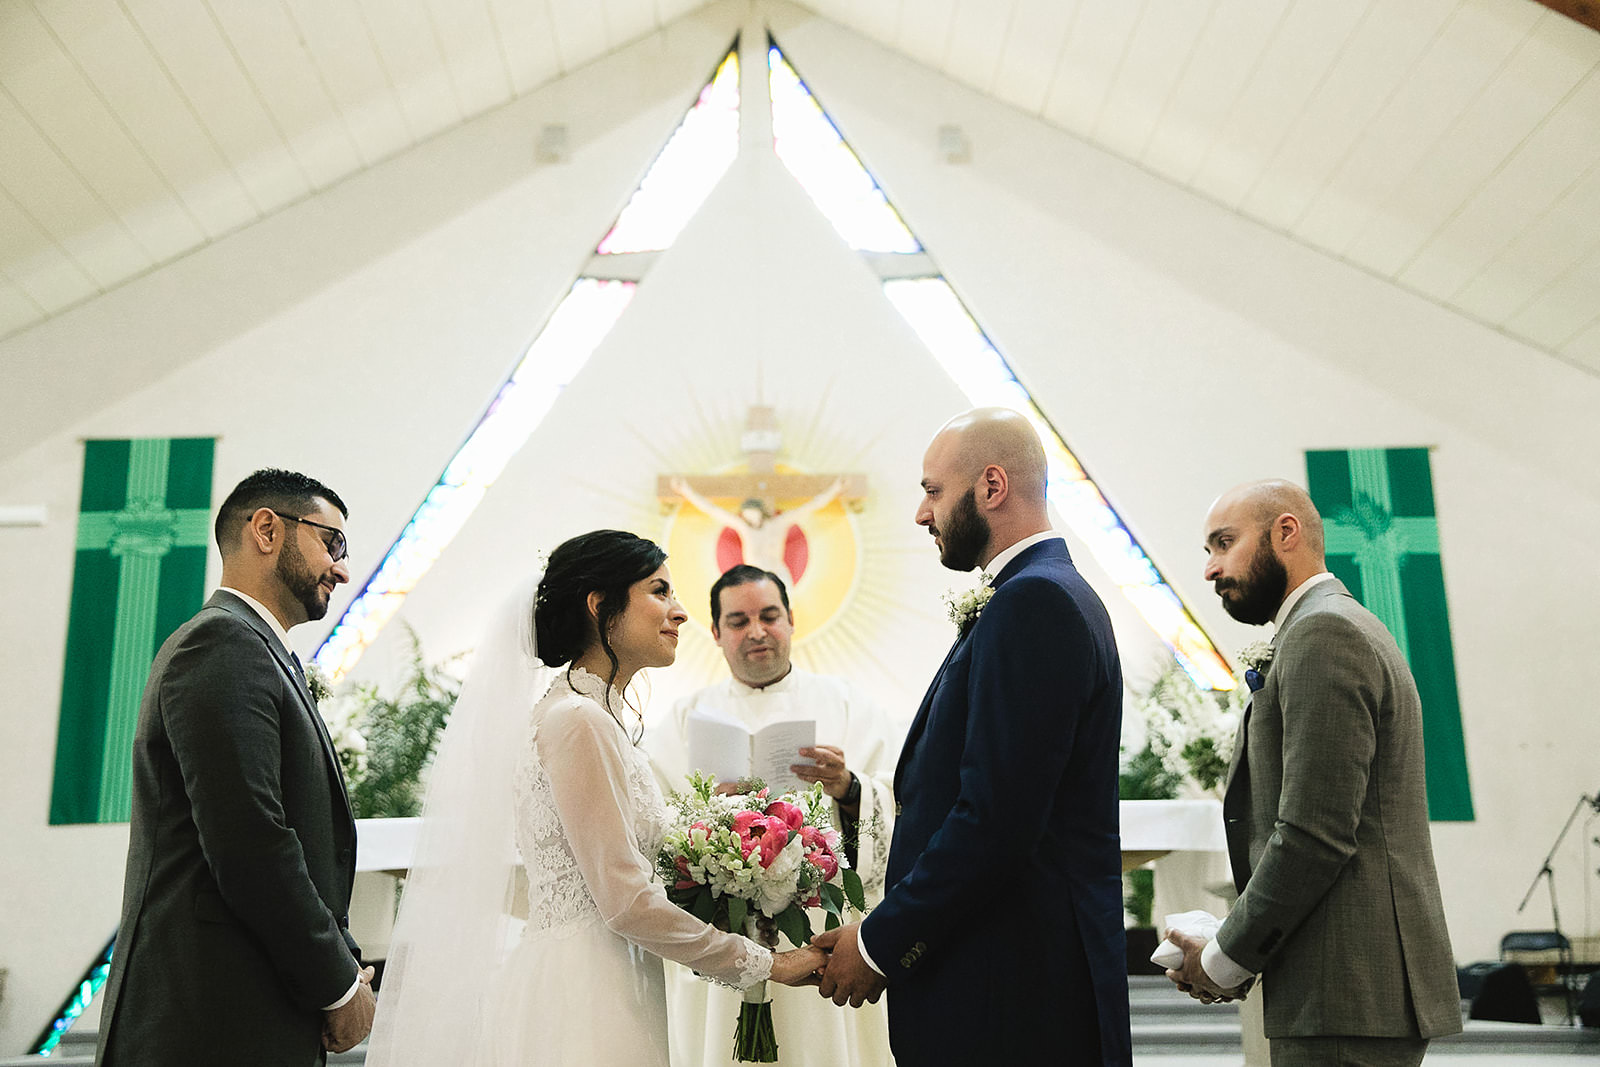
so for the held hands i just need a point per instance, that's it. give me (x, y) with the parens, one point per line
(1191, 977)
(797, 967)
(846, 978)
(347, 1026)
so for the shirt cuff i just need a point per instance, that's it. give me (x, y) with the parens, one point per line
(861, 946)
(1220, 969)
(348, 996)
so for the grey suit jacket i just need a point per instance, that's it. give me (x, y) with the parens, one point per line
(241, 856)
(1327, 825)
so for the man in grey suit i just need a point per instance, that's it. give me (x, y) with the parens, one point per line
(234, 944)
(1326, 811)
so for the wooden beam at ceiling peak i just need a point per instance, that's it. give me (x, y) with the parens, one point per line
(1584, 11)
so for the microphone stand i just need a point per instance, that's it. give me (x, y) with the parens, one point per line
(1548, 873)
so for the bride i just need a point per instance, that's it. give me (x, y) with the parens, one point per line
(566, 787)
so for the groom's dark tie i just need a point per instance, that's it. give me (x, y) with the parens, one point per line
(299, 671)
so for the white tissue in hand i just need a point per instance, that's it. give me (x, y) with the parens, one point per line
(1200, 924)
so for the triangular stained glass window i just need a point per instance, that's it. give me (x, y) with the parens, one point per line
(816, 153)
(693, 160)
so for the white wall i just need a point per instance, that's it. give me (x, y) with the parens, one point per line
(1181, 349)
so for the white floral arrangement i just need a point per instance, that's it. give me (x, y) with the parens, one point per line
(343, 713)
(1192, 730)
(966, 606)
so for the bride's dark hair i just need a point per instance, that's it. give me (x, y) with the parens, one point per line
(607, 562)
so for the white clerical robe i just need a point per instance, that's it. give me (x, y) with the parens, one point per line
(811, 1032)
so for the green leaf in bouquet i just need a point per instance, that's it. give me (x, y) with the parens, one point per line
(738, 909)
(794, 925)
(832, 922)
(705, 905)
(832, 898)
(853, 890)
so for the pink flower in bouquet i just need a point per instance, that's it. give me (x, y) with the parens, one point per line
(813, 838)
(792, 816)
(825, 861)
(684, 880)
(764, 832)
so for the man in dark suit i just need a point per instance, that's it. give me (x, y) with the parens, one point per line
(234, 944)
(1326, 810)
(1000, 937)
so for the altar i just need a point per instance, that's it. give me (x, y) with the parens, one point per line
(1151, 830)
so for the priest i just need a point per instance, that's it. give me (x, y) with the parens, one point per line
(853, 758)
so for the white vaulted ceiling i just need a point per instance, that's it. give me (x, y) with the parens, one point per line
(1450, 146)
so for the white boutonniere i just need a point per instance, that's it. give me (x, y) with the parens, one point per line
(317, 682)
(1256, 656)
(1254, 659)
(966, 606)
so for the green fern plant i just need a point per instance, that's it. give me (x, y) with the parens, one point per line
(402, 732)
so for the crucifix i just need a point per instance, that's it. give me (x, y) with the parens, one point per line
(765, 533)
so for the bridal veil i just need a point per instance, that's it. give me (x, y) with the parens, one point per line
(455, 924)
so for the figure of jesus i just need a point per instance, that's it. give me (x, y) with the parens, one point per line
(762, 534)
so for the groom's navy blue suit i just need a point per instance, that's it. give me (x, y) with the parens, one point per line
(1001, 931)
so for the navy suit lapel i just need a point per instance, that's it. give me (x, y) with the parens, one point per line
(1042, 550)
(921, 719)
(285, 662)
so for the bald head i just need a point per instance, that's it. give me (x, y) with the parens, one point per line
(1264, 502)
(998, 437)
(983, 483)
(1263, 539)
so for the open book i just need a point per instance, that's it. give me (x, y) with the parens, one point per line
(729, 752)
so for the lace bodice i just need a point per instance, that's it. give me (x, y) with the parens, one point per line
(589, 822)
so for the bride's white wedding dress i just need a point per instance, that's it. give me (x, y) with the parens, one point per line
(585, 984)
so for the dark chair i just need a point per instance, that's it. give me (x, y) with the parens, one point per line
(1505, 996)
(1542, 953)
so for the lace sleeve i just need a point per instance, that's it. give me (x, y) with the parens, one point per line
(580, 749)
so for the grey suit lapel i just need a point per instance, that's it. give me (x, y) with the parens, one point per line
(1327, 588)
(228, 602)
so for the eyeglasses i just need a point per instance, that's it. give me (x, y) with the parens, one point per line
(335, 545)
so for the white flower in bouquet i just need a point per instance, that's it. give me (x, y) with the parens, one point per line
(750, 863)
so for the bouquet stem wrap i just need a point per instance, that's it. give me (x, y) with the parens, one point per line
(754, 1040)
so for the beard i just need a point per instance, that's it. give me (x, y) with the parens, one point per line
(303, 584)
(964, 535)
(1261, 591)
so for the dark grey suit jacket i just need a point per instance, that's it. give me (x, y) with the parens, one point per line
(241, 857)
(1327, 820)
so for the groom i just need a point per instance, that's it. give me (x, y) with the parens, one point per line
(1000, 936)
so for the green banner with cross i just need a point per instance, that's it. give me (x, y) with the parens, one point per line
(1383, 543)
(144, 524)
